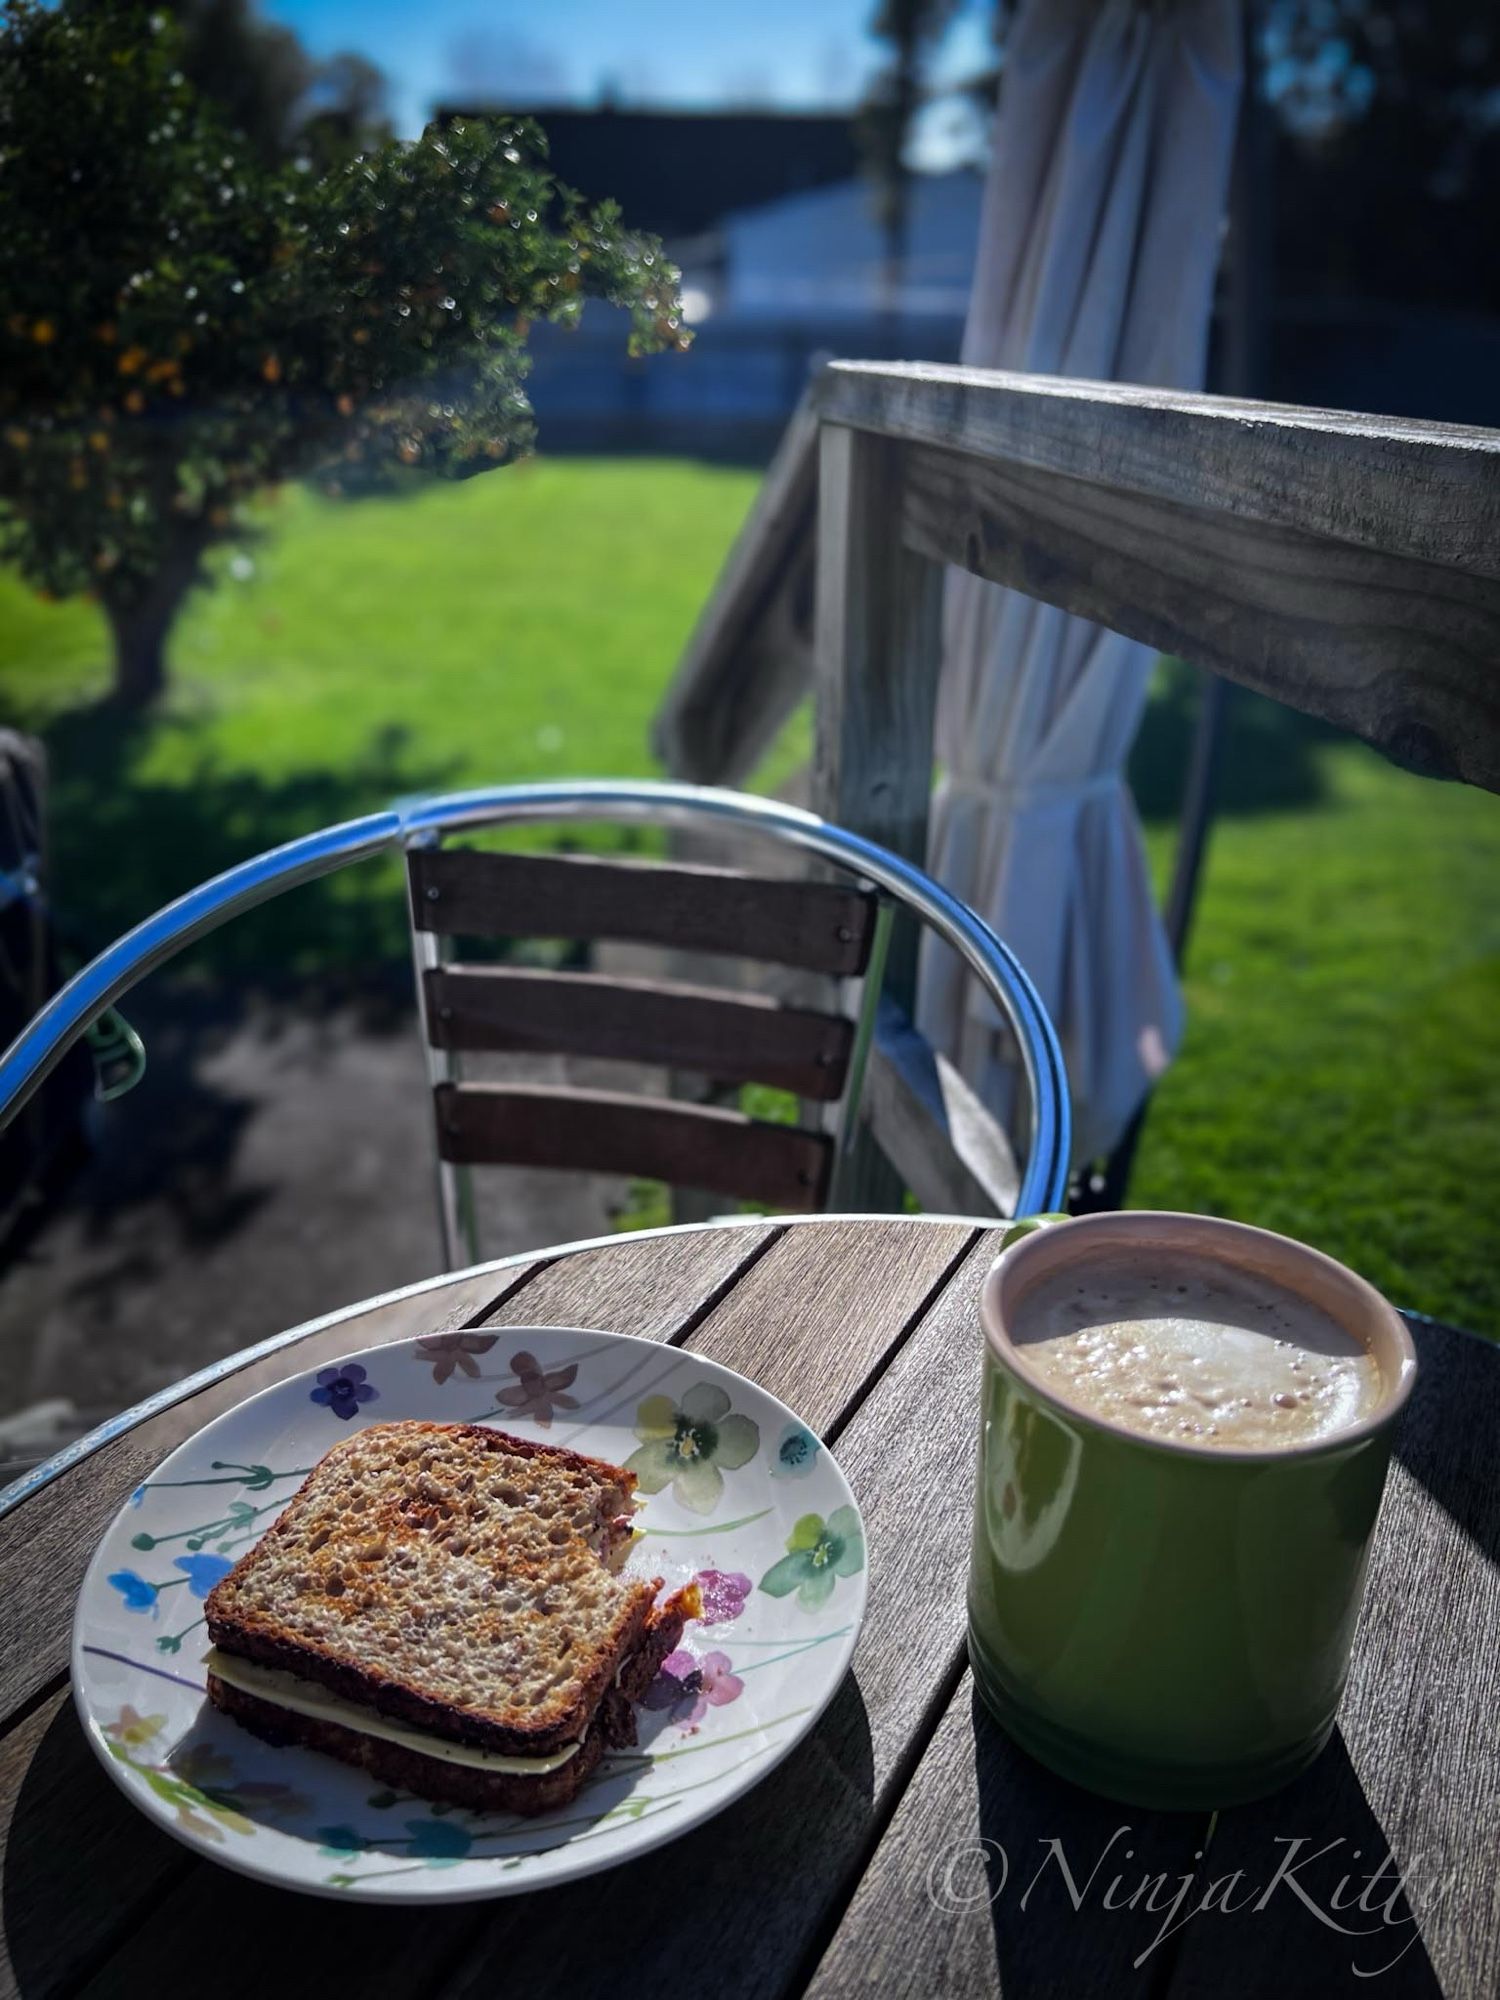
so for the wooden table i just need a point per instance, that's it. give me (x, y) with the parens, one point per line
(905, 1848)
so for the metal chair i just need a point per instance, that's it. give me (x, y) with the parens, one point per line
(460, 892)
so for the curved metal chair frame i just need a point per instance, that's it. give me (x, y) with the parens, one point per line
(423, 822)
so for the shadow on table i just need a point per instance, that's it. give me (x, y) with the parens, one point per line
(80, 1861)
(1089, 1896)
(95, 1895)
(1445, 1440)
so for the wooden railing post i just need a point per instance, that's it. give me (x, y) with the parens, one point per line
(878, 655)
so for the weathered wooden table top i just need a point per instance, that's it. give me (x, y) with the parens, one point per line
(905, 1847)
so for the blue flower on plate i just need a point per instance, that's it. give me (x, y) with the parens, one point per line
(796, 1453)
(203, 1572)
(438, 1842)
(343, 1389)
(137, 1593)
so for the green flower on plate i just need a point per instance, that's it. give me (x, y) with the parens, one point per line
(690, 1445)
(818, 1553)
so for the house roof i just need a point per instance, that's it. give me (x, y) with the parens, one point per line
(676, 173)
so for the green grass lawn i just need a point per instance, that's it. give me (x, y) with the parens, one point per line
(1341, 1074)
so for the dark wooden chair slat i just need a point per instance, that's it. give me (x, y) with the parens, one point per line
(613, 1132)
(817, 926)
(732, 1038)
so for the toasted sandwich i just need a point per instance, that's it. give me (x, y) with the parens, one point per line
(442, 1604)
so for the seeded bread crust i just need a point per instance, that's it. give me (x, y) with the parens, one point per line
(613, 1728)
(451, 1577)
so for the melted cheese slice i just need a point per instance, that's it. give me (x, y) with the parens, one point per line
(300, 1697)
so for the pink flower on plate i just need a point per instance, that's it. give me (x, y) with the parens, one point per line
(687, 1688)
(723, 1593)
(720, 1684)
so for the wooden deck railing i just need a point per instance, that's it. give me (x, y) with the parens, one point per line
(1346, 565)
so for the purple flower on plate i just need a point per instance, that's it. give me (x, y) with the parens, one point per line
(720, 1683)
(343, 1389)
(676, 1687)
(687, 1688)
(723, 1593)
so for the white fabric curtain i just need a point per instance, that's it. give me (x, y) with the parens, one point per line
(1098, 246)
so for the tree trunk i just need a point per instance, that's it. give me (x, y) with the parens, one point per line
(140, 624)
(140, 654)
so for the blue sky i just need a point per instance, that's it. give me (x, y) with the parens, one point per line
(790, 52)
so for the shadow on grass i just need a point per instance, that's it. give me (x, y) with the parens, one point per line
(334, 953)
(1268, 755)
(122, 846)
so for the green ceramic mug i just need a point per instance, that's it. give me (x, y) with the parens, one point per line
(1164, 1622)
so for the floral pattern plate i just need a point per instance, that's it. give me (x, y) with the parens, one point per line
(736, 1493)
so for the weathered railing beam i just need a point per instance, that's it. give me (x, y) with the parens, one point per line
(878, 654)
(749, 659)
(1391, 484)
(1404, 653)
(1348, 566)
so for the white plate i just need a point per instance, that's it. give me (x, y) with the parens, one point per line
(760, 1513)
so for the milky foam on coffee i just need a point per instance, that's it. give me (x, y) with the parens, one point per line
(1193, 1350)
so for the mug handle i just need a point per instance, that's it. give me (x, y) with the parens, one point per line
(1025, 1224)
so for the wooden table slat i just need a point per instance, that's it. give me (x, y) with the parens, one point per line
(631, 1286)
(817, 1316)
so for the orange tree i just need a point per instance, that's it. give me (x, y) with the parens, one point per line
(183, 323)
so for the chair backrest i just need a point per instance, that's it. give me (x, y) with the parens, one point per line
(727, 1037)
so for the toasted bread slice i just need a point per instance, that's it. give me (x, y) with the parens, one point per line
(449, 1577)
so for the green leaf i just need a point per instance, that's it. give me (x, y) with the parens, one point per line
(850, 1559)
(785, 1576)
(816, 1588)
(739, 1440)
(656, 1418)
(697, 1485)
(653, 1465)
(705, 1403)
(807, 1531)
(1026, 1225)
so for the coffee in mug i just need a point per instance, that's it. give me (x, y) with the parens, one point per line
(1196, 1350)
